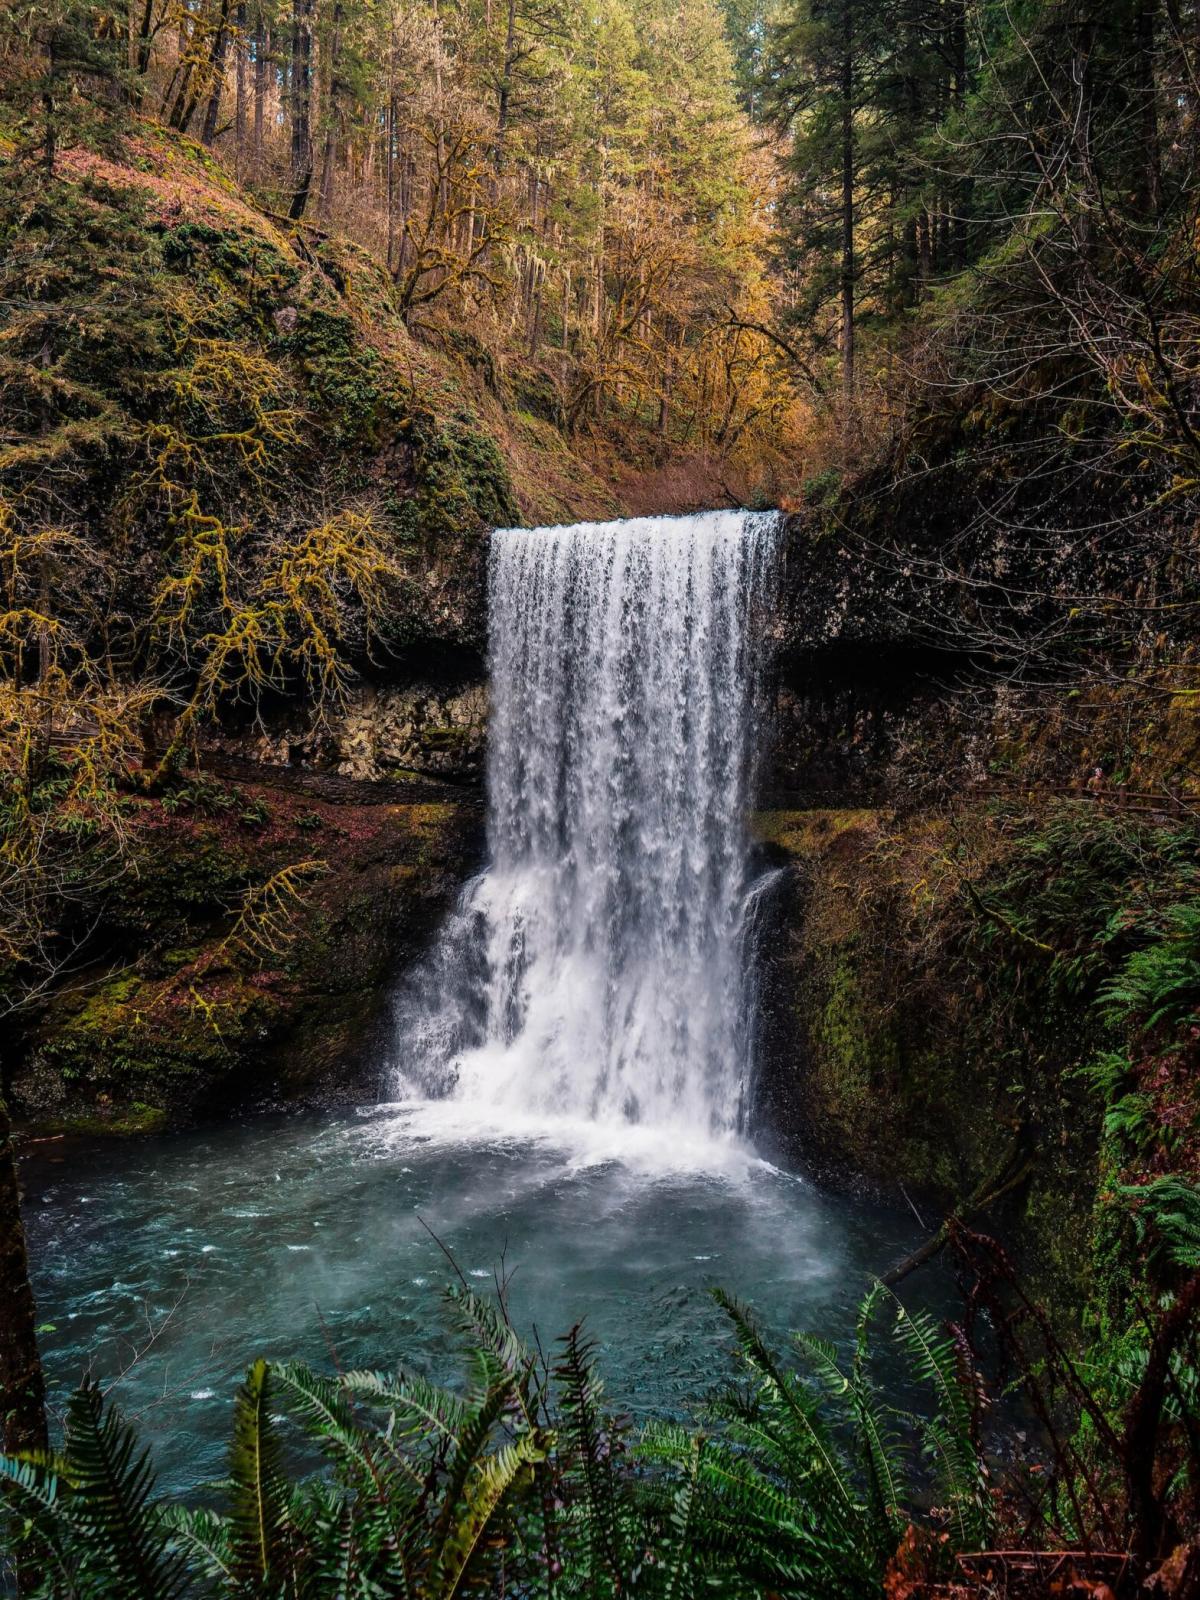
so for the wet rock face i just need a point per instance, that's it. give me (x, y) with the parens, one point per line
(913, 647)
(836, 594)
(845, 731)
(896, 1048)
(428, 728)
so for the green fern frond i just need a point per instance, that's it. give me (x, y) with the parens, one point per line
(950, 1436)
(878, 1443)
(418, 1407)
(790, 1417)
(483, 1321)
(257, 1505)
(678, 1559)
(320, 1404)
(348, 1561)
(1171, 1207)
(33, 1501)
(111, 1510)
(468, 1458)
(205, 1537)
(1160, 983)
(491, 1482)
(592, 1441)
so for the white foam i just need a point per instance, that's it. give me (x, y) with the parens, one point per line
(568, 1145)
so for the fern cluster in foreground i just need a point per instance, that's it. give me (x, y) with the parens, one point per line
(520, 1482)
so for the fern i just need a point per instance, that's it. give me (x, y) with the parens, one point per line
(950, 1434)
(110, 1505)
(202, 1538)
(824, 1530)
(33, 1496)
(492, 1335)
(417, 1407)
(1128, 1113)
(321, 1405)
(793, 1427)
(1160, 983)
(523, 1486)
(591, 1470)
(876, 1435)
(469, 1449)
(257, 1510)
(489, 1484)
(1169, 1206)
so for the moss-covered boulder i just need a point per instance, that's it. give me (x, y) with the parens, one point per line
(248, 954)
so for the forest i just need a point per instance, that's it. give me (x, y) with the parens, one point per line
(600, 799)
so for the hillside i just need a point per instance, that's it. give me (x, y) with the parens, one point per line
(245, 507)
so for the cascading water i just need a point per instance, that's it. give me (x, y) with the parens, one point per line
(597, 969)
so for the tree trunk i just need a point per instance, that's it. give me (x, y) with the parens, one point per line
(505, 95)
(1150, 185)
(390, 154)
(391, 180)
(22, 1386)
(45, 738)
(535, 319)
(145, 38)
(239, 116)
(847, 97)
(302, 157)
(192, 84)
(958, 96)
(216, 72)
(332, 113)
(441, 113)
(261, 53)
(50, 106)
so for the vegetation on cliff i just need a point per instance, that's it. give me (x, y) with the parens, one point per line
(990, 969)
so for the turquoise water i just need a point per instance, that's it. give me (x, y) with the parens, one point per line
(166, 1264)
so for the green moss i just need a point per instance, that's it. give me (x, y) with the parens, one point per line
(537, 396)
(933, 1023)
(343, 376)
(851, 1052)
(801, 833)
(196, 870)
(136, 1037)
(449, 738)
(112, 1123)
(886, 1094)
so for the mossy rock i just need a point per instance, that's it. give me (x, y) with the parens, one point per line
(900, 1052)
(192, 1021)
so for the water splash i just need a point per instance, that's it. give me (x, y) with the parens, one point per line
(597, 969)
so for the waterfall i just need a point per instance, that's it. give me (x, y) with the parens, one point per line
(596, 969)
